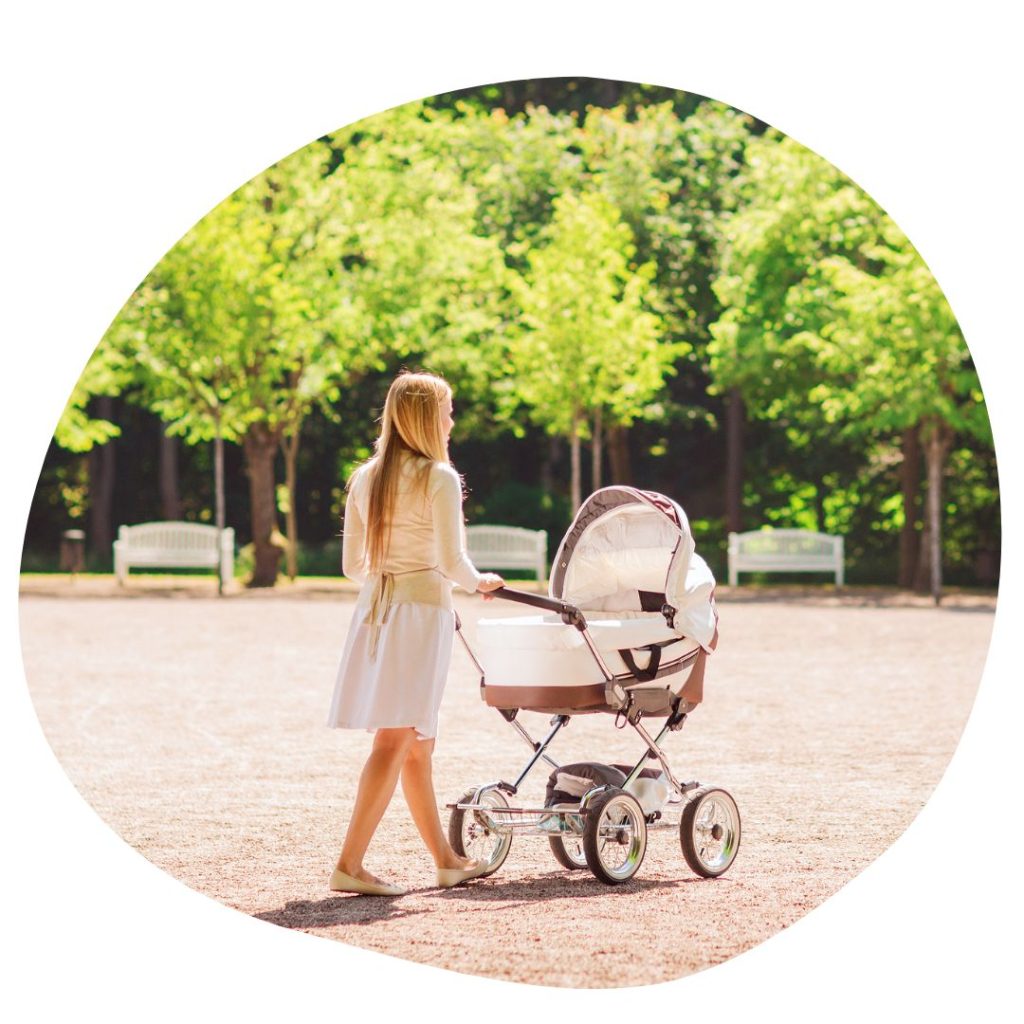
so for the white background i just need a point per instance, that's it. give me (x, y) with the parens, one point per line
(125, 123)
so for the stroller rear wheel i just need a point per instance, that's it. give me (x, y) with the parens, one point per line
(709, 832)
(615, 836)
(471, 835)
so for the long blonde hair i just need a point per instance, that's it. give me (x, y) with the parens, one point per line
(410, 426)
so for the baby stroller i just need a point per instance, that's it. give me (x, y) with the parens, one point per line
(630, 623)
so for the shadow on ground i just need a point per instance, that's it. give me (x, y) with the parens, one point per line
(350, 909)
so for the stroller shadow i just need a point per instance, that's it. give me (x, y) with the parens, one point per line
(556, 885)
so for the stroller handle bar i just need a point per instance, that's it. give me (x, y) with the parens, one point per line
(571, 615)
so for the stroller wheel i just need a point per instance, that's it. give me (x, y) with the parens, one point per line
(568, 851)
(472, 835)
(709, 832)
(615, 836)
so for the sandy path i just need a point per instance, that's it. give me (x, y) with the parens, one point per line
(195, 728)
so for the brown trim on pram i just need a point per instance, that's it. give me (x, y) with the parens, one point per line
(548, 699)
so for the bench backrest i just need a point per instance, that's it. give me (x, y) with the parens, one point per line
(172, 536)
(507, 547)
(785, 550)
(791, 544)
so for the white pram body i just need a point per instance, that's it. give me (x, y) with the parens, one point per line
(628, 565)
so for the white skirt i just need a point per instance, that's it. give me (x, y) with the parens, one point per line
(402, 684)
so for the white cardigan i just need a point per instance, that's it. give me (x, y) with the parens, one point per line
(427, 529)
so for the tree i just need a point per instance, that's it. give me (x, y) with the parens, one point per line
(295, 285)
(589, 345)
(833, 322)
(897, 348)
(431, 283)
(790, 210)
(238, 328)
(672, 181)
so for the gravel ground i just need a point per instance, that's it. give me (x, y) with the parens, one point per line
(194, 726)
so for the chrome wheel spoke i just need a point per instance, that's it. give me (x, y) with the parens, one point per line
(480, 839)
(620, 846)
(710, 832)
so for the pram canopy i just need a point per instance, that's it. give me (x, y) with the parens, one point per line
(632, 550)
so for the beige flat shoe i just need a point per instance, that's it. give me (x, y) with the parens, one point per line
(447, 877)
(340, 882)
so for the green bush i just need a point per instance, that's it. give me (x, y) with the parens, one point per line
(320, 559)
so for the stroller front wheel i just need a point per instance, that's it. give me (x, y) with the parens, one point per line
(615, 836)
(709, 832)
(472, 833)
(568, 851)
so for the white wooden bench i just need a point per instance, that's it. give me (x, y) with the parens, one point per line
(785, 551)
(508, 547)
(174, 545)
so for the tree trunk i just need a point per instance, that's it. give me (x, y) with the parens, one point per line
(170, 499)
(102, 471)
(260, 447)
(910, 486)
(290, 449)
(937, 442)
(218, 491)
(574, 452)
(610, 92)
(618, 455)
(596, 452)
(547, 466)
(734, 416)
(921, 568)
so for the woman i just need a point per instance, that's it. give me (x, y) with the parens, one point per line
(404, 542)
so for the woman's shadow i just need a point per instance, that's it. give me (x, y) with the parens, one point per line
(335, 910)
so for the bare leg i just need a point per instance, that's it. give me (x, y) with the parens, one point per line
(418, 787)
(376, 787)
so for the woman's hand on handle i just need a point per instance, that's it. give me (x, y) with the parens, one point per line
(489, 581)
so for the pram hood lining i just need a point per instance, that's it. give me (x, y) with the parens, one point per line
(624, 541)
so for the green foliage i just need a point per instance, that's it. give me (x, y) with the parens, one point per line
(518, 167)
(588, 339)
(671, 181)
(832, 324)
(106, 373)
(245, 321)
(593, 252)
(793, 211)
(832, 320)
(972, 535)
(73, 490)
